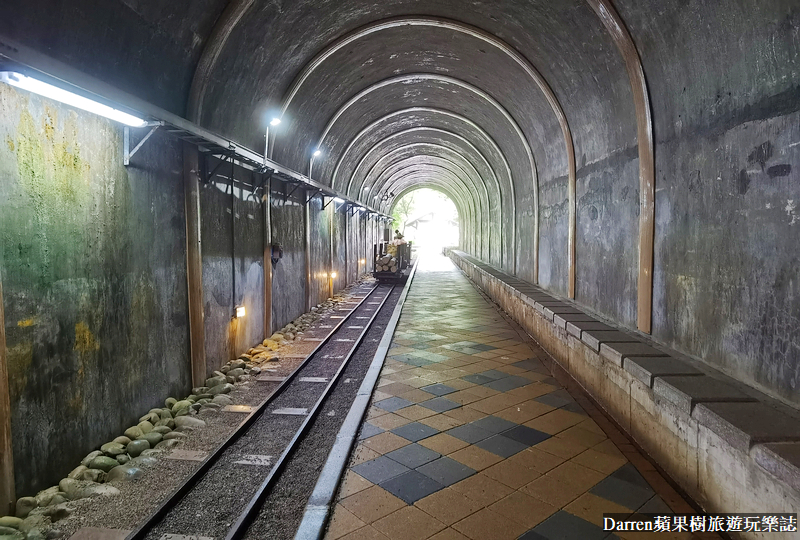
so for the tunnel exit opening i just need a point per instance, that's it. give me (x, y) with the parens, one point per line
(428, 219)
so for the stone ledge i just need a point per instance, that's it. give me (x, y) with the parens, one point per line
(744, 424)
(617, 352)
(686, 391)
(780, 459)
(756, 447)
(647, 368)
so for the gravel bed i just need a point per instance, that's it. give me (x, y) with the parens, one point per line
(139, 498)
(215, 503)
(283, 510)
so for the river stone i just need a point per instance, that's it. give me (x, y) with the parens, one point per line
(124, 472)
(224, 369)
(222, 400)
(122, 459)
(35, 534)
(34, 521)
(238, 364)
(181, 405)
(166, 423)
(103, 463)
(196, 406)
(238, 372)
(188, 421)
(112, 449)
(211, 405)
(207, 397)
(24, 506)
(7, 533)
(221, 389)
(153, 438)
(174, 435)
(135, 448)
(43, 497)
(152, 452)
(277, 336)
(98, 490)
(57, 512)
(94, 475)
(161, 429)
(85, 461)
(165, 414)
(123, 440)
(170, 401)
(166, 445)
(76, 472)
(145, 426)
(133, 433)
(143, 461)
(231, 379)
(213, 381)
(192, 398)
(79, 489)
(12, 522)
(59, 498)
(255, 371)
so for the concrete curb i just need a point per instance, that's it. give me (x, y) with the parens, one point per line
(318, 508)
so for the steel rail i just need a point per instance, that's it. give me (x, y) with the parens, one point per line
(239, 529)
(158, 515)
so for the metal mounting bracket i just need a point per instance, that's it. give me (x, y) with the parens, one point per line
(314, 194)
(128, 153)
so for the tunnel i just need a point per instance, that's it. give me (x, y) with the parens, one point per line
(180, 182)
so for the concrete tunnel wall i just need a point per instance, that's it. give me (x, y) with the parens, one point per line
(94, 276)
(723, 84)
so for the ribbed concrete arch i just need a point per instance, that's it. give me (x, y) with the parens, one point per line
(418, 77)
(523, 62)
(379, 144)
(647, 168)
(495, 222)
(436, 167)
(470, 226)
(443, 173)
(415, 146)
(430, 165)
(415, 179)
(222, 30)
(463, 216)
(396, 114)
(420, 160)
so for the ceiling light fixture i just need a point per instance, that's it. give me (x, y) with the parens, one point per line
(59, 94)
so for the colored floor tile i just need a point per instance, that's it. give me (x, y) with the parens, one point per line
(471, 437)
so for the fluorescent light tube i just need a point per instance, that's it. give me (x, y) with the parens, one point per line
(59, 94)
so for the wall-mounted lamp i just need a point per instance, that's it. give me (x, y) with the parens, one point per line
(240, 312)
(275, 121)
(59, 94)
(276, 252)
(317, 152)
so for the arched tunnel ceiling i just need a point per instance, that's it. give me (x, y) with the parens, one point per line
(517, 71)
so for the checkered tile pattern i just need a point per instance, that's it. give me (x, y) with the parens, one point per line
(470, 437)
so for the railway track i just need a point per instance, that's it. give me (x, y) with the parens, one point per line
(228, 490)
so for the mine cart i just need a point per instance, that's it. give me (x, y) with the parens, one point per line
(390, 264)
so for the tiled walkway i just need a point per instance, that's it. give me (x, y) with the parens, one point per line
(469, 436)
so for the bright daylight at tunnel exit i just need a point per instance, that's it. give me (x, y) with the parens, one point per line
(407, 270)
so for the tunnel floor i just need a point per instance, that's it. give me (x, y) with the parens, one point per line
(469, 436)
